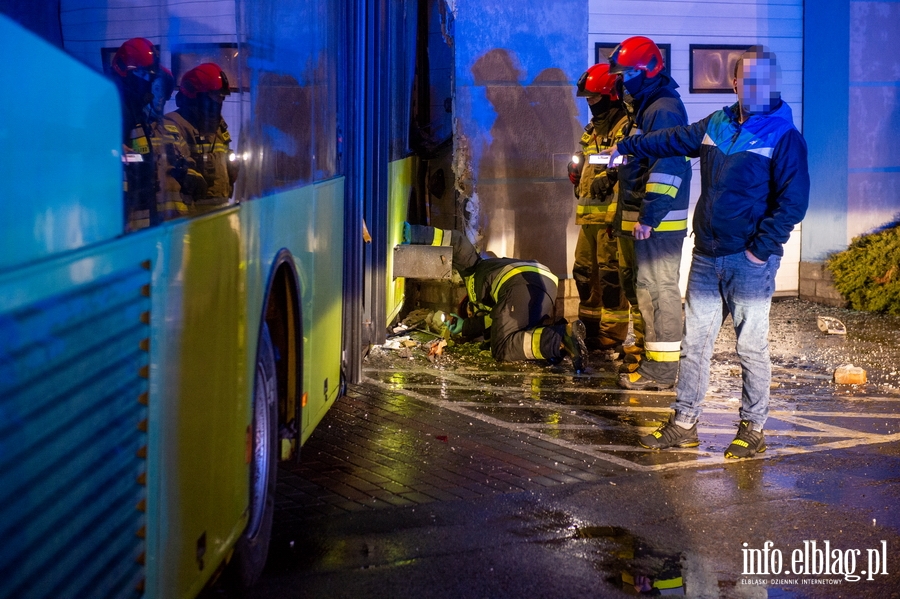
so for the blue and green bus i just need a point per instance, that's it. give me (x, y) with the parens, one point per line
(150, 381)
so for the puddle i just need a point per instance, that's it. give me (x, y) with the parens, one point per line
(625, 560)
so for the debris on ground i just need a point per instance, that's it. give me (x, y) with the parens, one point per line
(436, 348)
(831, 325)
(849, 374)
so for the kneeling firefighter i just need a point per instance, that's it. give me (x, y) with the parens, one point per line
(511, 301)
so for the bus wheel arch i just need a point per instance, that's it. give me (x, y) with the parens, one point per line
(276, 413)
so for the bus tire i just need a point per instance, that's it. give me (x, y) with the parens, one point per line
(252, 548)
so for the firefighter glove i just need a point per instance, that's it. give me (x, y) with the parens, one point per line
(601, 186)
(455, 325)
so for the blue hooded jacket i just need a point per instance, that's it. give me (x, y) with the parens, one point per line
(754, 178)
(655, 190)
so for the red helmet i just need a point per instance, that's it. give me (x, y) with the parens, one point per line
(597, 80)
(207, 77)
(136, 53)
(636, 52)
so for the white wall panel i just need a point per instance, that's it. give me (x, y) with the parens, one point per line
(776, 23)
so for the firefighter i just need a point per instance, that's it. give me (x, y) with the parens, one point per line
(651, 218)
(510, 301)
(135, 65)
(197, 140)
(602, 307)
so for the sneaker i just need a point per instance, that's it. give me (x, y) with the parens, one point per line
(671, 435)
(573, 344)
(636, 381)
(747, 443)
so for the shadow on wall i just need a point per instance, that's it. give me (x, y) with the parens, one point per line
(525, 209)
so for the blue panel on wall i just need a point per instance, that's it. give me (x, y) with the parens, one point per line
(826, 125)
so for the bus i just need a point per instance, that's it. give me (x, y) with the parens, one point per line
(151, 380)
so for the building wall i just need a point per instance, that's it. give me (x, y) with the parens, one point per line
(854, 159)
(518, 118)
(517, 123)
(873, 197)
(776, 23)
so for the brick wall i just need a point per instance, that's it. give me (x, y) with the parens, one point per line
(817, 285)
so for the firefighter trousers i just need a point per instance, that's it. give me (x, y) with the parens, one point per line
(520, 323)
(627, 274)
(657, 266)
(603, 307)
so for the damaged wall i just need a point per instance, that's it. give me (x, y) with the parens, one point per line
(516, 124)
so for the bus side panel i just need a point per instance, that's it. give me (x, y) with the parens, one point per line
(74, 424)
(201, 393)
(308, 221)
(401, 178)
(323, 326)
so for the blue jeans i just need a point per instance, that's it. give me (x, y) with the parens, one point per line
(717, 287)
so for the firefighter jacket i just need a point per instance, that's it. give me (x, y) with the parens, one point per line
(205, 155)
(754, 178)
(596, 189)
(139, 177)
(655, 191)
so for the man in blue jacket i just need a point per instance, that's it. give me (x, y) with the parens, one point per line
(754, 190)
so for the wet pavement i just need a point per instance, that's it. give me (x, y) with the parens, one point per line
(454, 476)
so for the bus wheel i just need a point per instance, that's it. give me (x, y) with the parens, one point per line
(253, 547)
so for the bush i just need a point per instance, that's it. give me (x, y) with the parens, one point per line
(867, 273)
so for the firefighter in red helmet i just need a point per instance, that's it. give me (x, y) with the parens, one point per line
(135, 65)
(197, 141)
(603, 307)
(651, 217)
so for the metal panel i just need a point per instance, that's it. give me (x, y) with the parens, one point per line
(423, 262)
(73, 437)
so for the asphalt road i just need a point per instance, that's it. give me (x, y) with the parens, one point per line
(462, 478)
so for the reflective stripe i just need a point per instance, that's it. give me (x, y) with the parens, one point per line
(663, 351)
(516, 268)
(595, 209)
(675, 220)
(615, 316)
(173, 206)
(470, 289)
(662, 356)
(666, 190)
(671, 583)
(441, 237)
(673, 180)
(531, 344)
(596, 313)
(675, 225)
(676, 215)
(663, 184)
(664, 346)
(473, 298)
(536, 343)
